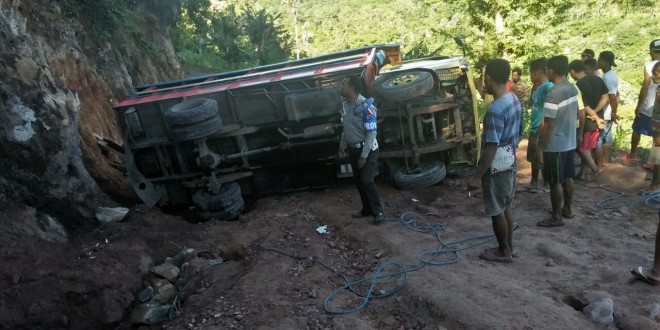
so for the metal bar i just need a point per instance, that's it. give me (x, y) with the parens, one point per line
(256, 74)
(403, 137)
(458, 127)
(166, 165)
(179, 157)
(420, 129)
(435, 147)
(411, 127)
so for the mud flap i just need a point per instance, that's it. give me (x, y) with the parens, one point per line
(142, 187)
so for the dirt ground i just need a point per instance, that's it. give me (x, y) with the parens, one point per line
(92, 281)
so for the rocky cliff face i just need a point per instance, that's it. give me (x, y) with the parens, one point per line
(58, 81)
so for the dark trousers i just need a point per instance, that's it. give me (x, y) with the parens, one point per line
(364, 180)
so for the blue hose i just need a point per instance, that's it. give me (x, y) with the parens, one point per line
(650, 198)
(425, 258)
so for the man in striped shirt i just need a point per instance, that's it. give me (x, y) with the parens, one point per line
(497, 168)
(557, 141)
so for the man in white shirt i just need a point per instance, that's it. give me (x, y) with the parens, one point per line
(644, 111)
(605, 63)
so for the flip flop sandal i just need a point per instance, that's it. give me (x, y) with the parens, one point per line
(626, 159)
(489, 256)
(593, 177)
(639, 274)
(523, 189)
(562, 214)
(544, 223)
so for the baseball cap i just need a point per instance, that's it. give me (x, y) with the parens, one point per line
(607, 56)
(655, 45)
(588, 52)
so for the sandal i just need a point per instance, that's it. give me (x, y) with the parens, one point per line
(488, 255)
(627, 159)
(546, 223)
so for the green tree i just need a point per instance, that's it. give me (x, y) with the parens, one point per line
(230, 36)
(270, 42)
(518, 30)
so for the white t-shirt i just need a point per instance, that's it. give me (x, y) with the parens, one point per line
(649, 101)
(612, 82)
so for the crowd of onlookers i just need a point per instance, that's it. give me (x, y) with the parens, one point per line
(565, 119)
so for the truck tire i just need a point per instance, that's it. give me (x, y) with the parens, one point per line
(191, 112)
(426, 175)
(231, 212)
(401, 86)
(205, 201)
(196, 130)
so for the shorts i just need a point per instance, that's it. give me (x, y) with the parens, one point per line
(606, 134)
(589, 141)
(642, 125)
(498, 192)
(532, 146)
(558, 166)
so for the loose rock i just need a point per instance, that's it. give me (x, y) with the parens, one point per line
(182, 257)
(635, 322)
(167, 271)
(145, 263)
(150, 314)
(601, 311)
(165, 293)
(146, 294)
(654, 312)
(110, 214)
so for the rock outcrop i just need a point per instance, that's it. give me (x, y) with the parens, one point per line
(58, 81)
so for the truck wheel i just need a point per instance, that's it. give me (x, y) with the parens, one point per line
(205, 201)
(401, 86)
(229, 213)
(196, 130)
(191, 112)
(427, 174)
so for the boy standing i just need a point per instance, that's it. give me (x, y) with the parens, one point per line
(557, 141)
(537, 71)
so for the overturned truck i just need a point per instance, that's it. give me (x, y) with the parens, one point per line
(207, 141)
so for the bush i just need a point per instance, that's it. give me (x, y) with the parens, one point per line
(106, 18)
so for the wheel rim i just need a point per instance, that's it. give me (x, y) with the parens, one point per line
(404, 79)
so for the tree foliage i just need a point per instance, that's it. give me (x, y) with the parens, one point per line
(108, 19)
(517, 30)
(229, 36)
